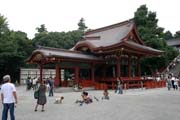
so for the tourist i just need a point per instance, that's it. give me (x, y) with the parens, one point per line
(8, 97)
(176, 83)
(34, 83)
(41, 100)
(47, 85)
(172, 82)
(85, 98)
(169, 82)
(119, 86)
(51, 86)
(105, 95)
(28, 83)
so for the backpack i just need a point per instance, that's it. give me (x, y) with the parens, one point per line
(36, 94)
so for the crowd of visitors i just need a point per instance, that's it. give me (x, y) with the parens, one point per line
(9, 97)
(173, 82)
(34, 83)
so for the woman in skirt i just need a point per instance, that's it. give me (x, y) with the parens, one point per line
(42, 96)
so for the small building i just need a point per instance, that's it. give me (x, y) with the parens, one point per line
(174, 43)
(103, 55)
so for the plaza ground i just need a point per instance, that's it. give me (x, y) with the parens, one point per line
(137, 104)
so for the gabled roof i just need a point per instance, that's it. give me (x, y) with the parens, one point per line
(178, 32)
(107, 36)
(114, 36)
(48, 52)
(173, 42)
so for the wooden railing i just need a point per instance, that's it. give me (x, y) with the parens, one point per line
(155, 84)
(128, 85)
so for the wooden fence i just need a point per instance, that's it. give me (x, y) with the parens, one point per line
(145, 84)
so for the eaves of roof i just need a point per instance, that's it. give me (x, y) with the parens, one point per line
(61, 53)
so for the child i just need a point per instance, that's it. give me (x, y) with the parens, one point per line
(105, 95)
(85, 99)
(59, 100)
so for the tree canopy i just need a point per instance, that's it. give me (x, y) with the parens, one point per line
(82, 25)
(15, 47)
(153, 36)
(65, 40)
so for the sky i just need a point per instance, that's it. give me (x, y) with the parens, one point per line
(63, 15)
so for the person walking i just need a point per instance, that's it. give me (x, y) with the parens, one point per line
(8, 97)
(119, 86)
(169, 82)
(34, 83)
(41, 100)
(51, 87)
(172, 82)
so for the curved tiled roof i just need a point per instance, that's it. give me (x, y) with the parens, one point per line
(143, 47)
(108, 36)
(62, 53)
(114, 36)
(173, 42)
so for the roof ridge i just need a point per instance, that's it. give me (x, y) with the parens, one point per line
(110, 26)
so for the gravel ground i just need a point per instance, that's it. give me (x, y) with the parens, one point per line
(137, 104)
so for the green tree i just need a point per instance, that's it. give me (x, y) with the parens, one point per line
(15, 47)
(42, 29)
(177, 34)
(168, 35)
(82, 25)
(153, 36)
(3, 25)
(63, 40)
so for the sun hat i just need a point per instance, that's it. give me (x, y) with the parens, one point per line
(6, 78)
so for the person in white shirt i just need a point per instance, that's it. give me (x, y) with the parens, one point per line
(176, 83)
(8, 97)
(34, 83)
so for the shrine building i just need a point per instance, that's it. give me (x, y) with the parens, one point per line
(103, 55)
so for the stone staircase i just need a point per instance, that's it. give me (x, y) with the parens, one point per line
(173, 67)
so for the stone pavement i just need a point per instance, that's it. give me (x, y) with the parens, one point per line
(152, 104)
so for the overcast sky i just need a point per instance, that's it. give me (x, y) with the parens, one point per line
(63, 15)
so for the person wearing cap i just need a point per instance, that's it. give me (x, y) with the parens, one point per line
(8, 97)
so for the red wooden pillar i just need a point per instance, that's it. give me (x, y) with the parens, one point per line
(57, 80)
(139, 67)
(77, 74)
(118, 67)
(92, 73)
(129, 66)
(41, 71)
